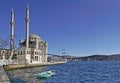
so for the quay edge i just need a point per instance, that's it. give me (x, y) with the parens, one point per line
(24, 66)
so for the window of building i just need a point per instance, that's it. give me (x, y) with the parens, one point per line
(24, 52)
(36, 58)
(21, 52)
(15, 56)
(27, 52)
(35, 53)
(32, 52)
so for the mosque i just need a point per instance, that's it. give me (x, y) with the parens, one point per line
(32, 50)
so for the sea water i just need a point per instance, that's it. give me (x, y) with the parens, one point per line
(72, 72)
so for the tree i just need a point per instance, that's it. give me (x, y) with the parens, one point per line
(3, 43)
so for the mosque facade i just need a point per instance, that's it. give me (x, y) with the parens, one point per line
(32, 50)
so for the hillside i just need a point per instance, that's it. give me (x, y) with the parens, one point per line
(114, 57)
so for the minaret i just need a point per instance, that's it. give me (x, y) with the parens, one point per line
(12, 31)
(27, 26)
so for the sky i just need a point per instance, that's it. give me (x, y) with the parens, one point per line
(81, 27)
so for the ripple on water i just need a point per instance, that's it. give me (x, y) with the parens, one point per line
(72, 72)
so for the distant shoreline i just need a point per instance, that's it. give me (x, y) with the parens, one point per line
(114, 57)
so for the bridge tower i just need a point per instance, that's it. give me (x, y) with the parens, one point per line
(63, 52)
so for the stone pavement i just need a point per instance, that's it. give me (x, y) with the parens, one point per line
(3, 76)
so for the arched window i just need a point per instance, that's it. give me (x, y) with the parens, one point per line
(27, 52)
(36, 58)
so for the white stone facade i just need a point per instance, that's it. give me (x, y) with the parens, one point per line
(32, 50)
(36, 53)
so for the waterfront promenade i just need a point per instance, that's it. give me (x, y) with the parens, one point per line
(3, 76)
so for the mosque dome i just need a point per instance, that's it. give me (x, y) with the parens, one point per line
(35, 36)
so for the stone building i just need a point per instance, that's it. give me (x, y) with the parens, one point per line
(32, 50)
(36, 51)
(4, 53)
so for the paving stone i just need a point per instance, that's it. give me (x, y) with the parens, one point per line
(3, 76)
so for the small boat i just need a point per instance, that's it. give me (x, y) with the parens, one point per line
(46, 74)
